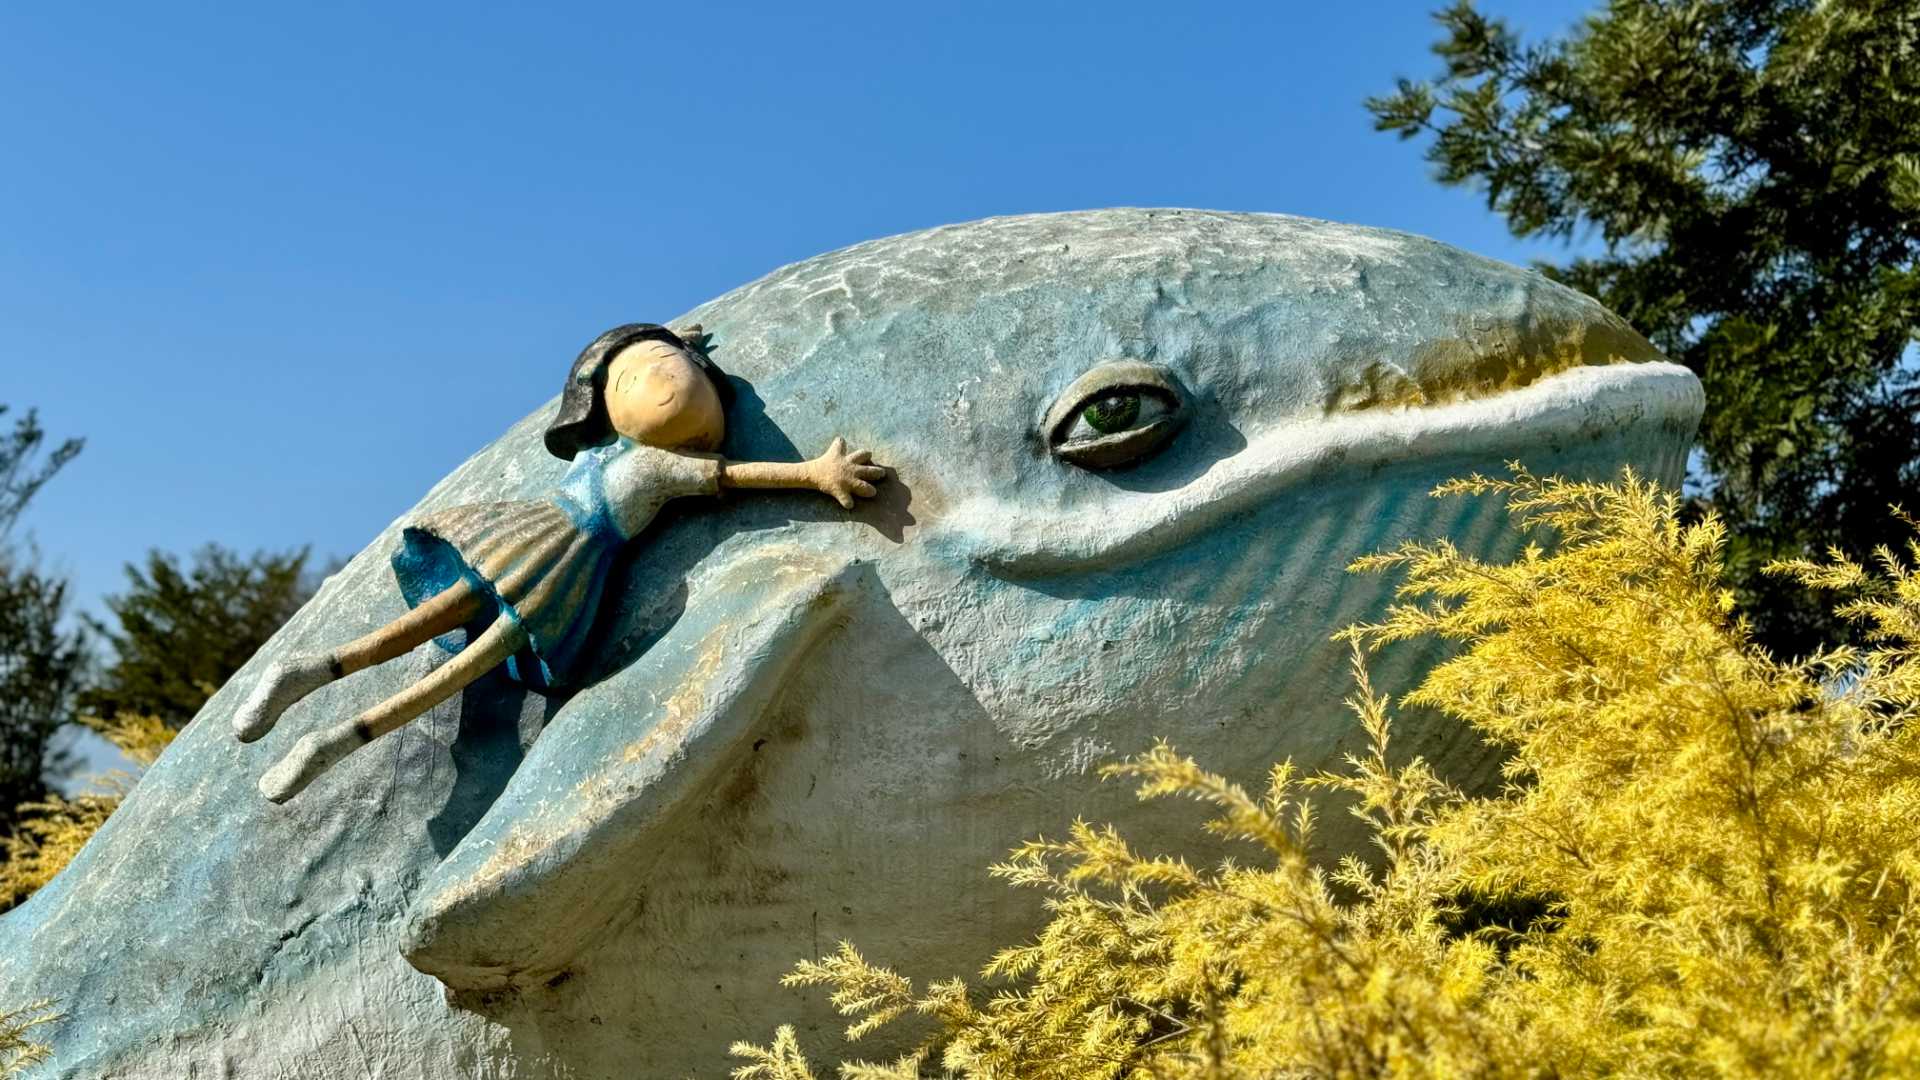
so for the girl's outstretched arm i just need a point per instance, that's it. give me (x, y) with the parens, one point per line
(835, 473)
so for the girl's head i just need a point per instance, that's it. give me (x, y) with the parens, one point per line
(647, 383)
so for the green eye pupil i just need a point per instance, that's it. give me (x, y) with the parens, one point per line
(1113, 412)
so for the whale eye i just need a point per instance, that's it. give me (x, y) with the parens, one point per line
(1114, 411)
(1115, 415)
(1117, 412)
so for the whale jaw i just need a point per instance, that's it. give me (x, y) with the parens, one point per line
(552, 865)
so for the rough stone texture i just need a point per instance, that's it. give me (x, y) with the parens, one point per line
(816, 725)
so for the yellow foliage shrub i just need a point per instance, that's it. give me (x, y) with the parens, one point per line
(140, 737)
(46, 838)
(49, 834)
(1703, 862)
(17, 1050)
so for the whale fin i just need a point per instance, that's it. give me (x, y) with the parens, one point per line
(535, 882)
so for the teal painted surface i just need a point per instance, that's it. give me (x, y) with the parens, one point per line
(811, 725)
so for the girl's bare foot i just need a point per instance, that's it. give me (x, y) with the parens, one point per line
(315, 753)
(285, 682)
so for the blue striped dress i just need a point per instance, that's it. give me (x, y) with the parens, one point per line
(544, 563)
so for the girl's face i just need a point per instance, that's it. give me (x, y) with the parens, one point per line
(658, 395)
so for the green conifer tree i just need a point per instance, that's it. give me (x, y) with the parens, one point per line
(1752, 171)
(41, 661)
(185, 629)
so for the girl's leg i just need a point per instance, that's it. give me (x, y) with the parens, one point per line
(292, 678)
(317, 751)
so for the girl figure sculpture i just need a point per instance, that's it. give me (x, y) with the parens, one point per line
(648, 408)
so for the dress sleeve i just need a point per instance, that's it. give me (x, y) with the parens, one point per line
(690, 474)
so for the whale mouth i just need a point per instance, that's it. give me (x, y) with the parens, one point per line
(1580, 403)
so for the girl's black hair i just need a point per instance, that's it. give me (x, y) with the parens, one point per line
(582, 420)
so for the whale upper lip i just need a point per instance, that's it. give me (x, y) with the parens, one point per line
(1579, 402)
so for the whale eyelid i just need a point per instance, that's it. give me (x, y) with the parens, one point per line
(1120, 448)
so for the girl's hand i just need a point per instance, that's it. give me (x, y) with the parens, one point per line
(843, 476)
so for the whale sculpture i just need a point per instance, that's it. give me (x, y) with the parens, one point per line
(807, 725)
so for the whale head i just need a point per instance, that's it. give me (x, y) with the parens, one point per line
(1133, 451)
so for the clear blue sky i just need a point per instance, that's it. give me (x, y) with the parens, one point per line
(285, 268)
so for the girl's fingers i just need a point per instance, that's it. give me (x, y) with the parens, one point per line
(860, 457)
(845, 500)
(862, 489)
(871, 472)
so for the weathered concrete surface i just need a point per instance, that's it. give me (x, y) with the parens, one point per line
(818, 725)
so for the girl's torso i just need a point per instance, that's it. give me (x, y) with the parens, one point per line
(621, 486)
